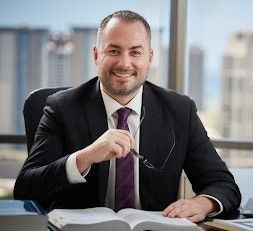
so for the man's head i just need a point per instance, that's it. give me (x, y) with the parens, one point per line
(124, 16)
(123, 54)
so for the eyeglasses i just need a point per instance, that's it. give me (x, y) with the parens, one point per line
(144, 159)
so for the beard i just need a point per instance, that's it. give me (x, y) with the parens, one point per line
(121, 91)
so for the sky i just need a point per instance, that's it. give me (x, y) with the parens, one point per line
(60, 15)
(209, 25)
(211, 21)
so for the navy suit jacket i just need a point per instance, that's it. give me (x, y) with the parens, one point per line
(76, 117)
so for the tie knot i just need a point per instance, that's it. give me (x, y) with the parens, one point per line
(123, 114)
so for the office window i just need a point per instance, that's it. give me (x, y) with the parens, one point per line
(49, 43)
(219, 76)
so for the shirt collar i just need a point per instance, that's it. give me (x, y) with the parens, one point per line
(111, 105)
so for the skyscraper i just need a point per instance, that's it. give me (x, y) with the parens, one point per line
(237, 94)
(83, 67)
(21, 69)
(237, 87)
(7, 79)
(29, 58)
(196, 75)
(57, 65)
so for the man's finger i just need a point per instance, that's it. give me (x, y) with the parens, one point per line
(169, 209)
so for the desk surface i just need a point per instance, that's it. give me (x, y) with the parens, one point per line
(203, 227)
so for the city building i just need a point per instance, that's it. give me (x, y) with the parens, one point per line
(83, 67)
(237, 87)
(236, 96)
(196, 76)
(7, 79)
(30, 43)
(20, 71)
(57, 63)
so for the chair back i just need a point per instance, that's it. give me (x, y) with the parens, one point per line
(33, 110)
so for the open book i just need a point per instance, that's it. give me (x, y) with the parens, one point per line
(232, 225)
(101, 218)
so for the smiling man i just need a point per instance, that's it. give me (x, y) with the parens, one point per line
(123, 55)
(120, 141)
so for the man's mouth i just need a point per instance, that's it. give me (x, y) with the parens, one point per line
(122, 75)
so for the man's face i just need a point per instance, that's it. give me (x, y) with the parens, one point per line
(123, 57)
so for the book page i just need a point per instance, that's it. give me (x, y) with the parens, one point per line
(62, 217)
(139, 219)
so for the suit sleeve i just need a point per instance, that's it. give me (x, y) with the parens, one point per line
(43, 175)
(206, 171)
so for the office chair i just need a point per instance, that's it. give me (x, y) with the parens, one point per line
(33, 110)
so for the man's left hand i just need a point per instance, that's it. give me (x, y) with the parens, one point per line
(195, 209)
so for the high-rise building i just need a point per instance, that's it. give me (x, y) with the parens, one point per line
(237, 87)
(30, 43)
(57, 66)
(237, 94)
(21, 59)
(7, 79)
(83, 67)
(196, 75)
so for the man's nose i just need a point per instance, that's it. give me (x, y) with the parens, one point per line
(124, 61)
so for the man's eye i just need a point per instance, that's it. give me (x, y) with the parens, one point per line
(136, 52)
(113, 52)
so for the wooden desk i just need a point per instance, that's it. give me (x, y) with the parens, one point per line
(203, 227)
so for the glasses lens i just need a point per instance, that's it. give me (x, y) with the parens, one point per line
(149, 165)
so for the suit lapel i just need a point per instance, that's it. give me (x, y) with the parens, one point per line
(95, 112)
(154, 133)
(150, 126)
(96, 116)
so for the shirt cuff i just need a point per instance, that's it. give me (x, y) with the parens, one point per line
(220, 204)
(73, 174)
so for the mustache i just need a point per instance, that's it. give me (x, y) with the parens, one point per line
(124, 71)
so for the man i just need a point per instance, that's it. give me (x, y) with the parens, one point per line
(82, 146)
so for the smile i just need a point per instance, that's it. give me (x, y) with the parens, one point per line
(123, 75)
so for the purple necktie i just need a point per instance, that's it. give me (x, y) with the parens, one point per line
(124, 185)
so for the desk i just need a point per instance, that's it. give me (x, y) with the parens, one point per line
(203, 227)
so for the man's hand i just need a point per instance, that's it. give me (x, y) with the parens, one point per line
(195, 209)
(114, 143)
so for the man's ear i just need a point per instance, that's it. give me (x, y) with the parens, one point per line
(151, 54)
(95, 54)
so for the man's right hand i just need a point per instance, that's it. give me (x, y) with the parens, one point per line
(114, 143)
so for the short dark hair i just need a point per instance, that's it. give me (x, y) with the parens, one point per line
(125, 16)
